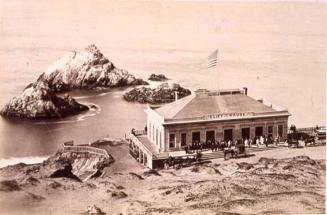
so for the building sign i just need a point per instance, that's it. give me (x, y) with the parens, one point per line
(227, 115)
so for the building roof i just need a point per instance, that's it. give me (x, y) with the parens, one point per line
(204, 103)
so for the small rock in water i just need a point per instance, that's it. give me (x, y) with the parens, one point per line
(164, 93)
(160, 77)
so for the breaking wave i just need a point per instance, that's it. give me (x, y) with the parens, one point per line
(90, 96)
(93, 110)
(27, 160)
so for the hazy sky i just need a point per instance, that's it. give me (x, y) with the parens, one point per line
(132, 19)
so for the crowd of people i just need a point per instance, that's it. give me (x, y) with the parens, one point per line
(213, 145)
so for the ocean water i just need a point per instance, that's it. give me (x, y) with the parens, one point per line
(276, 49)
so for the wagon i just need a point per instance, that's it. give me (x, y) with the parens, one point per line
(234, 152)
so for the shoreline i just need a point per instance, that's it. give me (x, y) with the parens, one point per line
(5, 162)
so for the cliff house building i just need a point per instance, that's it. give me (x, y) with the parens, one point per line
(206, 115)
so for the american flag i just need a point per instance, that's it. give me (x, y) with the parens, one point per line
(212, 59)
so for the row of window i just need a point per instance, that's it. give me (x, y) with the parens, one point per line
(155, 135)
(172, 140)
(228, 135)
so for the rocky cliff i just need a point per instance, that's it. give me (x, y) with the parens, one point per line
(164, 93)
(86, 70)
(38, 101)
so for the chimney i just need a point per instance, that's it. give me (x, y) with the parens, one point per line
(176, 95)
(245, 90)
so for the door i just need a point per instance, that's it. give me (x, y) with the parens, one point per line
(246, 133)
(280, 130)
(195, 137)
(270, 130)
(210, 135)
(259, 131)
(228, 135)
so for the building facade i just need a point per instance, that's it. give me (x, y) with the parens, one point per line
(220, 115)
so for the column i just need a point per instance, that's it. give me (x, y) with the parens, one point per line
(252, 132)
(237, 132)
(144, 155)
(220, 134)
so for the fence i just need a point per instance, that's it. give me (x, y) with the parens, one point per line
(139, 132)
(88, 149)
(137, 142)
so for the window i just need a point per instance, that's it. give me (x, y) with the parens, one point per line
(280, 130)
(153, 133)
(183, 139)
(160, 140)
(172, 140)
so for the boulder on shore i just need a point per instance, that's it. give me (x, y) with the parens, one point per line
(87, 69)
(164, 93)
(160, 77)
(38, 101)
(94, 210)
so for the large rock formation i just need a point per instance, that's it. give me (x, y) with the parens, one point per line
(164, 93)
(86, 70)
(83, 70)
(38, 101)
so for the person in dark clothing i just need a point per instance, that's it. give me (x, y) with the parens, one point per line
(146, 129)
(218, 145)
(186, 149)
(210, 145)
(265, 140)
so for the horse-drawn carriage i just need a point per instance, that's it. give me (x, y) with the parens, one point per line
(234, 151)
